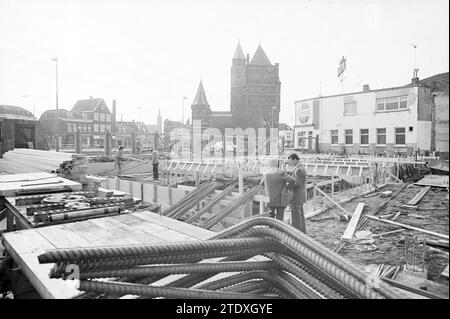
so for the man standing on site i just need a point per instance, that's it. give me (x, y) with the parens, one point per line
(119, 159)
(155, 162)
(299, 193)
(275, 182)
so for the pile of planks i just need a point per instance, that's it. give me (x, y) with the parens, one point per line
(23, 160)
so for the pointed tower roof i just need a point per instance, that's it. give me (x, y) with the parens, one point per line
(200, 98)
(260, 57)
(239, 54)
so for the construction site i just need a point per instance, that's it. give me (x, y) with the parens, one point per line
(73, 227)
(187, 152)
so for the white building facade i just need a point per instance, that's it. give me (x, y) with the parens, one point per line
(286, 135)
(390, 121)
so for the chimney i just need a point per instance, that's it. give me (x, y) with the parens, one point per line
(415, 79)
(366, 88)
(113, 117)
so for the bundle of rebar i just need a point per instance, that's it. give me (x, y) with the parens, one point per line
(235, 204)
(258, 258)
(211, 203)
(190, 200)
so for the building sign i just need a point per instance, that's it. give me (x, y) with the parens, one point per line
(342, 66)
(304, 113)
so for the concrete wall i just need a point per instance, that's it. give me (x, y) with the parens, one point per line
(332, 117)
(441, 121)
(130, 167)
(168, 196)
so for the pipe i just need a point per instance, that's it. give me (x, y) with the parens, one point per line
(153, 291)
(336, 272)
(149, 250)
(198, 268)
(296, 269)
(312, 248)
(59, 268)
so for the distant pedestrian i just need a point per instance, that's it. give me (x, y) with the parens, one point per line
(299, 193)
(275, 182)
(138, 147)
(155, 163)
(119, 159)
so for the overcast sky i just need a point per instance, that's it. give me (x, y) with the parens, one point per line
(150, 54)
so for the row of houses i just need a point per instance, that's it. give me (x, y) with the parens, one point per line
(397, 120)
(91, 117)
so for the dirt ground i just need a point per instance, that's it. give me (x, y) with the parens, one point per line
(431, 214)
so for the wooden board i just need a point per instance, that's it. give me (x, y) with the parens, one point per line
(444, 236)
(419, 196)
(445, 272)
(134, 228)
(351, 227)
(10, 184)
(434, 180)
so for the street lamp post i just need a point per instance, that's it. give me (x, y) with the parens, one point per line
(57, 109)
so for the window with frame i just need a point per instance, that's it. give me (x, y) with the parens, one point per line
(108, 128)
(89, 128)
(108, 117)
(96, 116)
(102, 127)
(301, 140)
(334, 137)
(348, 137)
(74, 127)
(84, 128)
(392, 103)
(69, 127)
(96, 127)
(400, 136)
(364, 135)
(84, 115)
(381, 136)
(350, 108)
(102, 117)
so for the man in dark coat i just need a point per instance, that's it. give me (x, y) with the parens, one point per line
(275, 182)
(119, 159)
(299, 193)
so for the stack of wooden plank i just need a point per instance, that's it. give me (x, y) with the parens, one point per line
(24, 160)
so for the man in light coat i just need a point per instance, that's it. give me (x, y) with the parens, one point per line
(119, 159)
(155, 162)
(275, 182)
